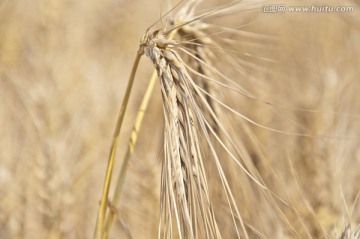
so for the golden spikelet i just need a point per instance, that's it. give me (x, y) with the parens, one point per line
(184, 189)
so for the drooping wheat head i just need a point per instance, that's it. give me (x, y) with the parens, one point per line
(184, 188)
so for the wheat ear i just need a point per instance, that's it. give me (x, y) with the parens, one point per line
(184, 189)
(350, 233)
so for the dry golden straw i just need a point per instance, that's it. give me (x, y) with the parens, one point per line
(247, 128)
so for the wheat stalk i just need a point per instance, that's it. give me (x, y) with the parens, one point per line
(192, 126)
(99, 231)
(185, 163)
(184, 186)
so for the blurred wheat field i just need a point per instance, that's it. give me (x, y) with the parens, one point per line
(63, 70)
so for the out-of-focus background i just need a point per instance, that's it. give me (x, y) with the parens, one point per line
(63, 68)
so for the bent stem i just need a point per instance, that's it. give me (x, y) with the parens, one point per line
(129, 151)
(99, 231)
(131, 145)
